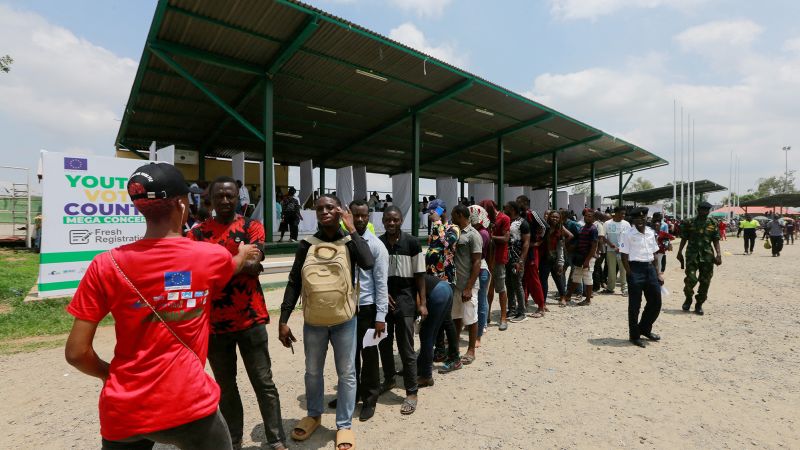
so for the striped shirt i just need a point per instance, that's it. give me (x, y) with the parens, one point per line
(405, 260)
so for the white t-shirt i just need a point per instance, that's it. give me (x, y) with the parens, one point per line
(639, 246)
(614, 230)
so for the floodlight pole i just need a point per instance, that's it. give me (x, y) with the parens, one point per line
(786, 179)
(415, 132)
(619, 199)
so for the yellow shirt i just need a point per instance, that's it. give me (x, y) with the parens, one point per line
(747, 224)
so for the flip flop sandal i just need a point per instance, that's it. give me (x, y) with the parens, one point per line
(409, 406)
(345, 436)
(308, 425)
(467, 360)
(536, 315)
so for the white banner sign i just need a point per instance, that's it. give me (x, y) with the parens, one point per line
(85, 211)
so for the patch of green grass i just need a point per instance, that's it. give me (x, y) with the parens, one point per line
(18, 271)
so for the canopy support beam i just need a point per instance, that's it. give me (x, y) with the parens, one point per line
(555, 181)
(268, 187)
(591, 186)
(212, 96)
(501, 172)
(450, 92)
(415, 129)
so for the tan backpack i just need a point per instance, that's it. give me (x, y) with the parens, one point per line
(328, 293)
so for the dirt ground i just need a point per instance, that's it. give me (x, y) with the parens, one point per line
(730, 379)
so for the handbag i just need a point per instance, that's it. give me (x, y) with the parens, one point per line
(767, 245)
(144, 300)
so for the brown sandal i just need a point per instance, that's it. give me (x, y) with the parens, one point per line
(345, 437)
(307, 425)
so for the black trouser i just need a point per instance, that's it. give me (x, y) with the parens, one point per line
(598, 274)
(448, 328)
(403, 328)
(642, 279)
(367, 372)
(749, 239)
(208, 433)
(252, 344)
(549, 268)
(789, 237)
(777, 244)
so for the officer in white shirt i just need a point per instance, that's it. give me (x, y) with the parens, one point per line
(638, 247)
(615, 228)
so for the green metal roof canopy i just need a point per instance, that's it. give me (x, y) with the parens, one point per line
(661, 193)
(788, 199)
(343, 95)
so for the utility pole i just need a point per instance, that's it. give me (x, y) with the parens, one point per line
(786, 180)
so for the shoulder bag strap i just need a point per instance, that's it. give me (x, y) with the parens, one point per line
(149, 305)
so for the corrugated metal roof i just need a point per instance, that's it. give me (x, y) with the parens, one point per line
(347, 92)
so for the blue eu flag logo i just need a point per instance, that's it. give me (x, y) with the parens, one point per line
(76, 164)
(174, 281)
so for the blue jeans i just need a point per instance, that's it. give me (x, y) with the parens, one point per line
(315, 342)
(483, 300)
(438, 302)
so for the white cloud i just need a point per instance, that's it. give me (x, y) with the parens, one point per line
(712, 36)
(792, 45)
(754, 115)
(412, 36)
(592, 9)
(423, 8)
(61, 84)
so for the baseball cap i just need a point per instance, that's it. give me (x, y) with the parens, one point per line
(639, 211)
(156, 180)
(704, 205)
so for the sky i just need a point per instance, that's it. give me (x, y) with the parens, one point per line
(618, 65)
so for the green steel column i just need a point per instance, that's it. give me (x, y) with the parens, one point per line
(268, 188)
(415, 175)
(321, 178)
(501, 173)
(201, 168)
(555, 181)
(619, 199)
(462, 188)
(591, 188)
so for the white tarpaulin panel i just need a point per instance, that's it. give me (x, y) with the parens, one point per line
(344, 184)
(510, 193)
(166, 154)
(258, 212)
(482, 191)
(563, 200)
(577, 202)
(237, 167)
(598, 200)
(447, 190)
(153, 151)
(401, 196)
(306, 180)
(360, 183)
(86, 210)
(540, 200)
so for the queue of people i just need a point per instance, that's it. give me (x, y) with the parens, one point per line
(178, 302)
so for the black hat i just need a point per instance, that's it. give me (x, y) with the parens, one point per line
(704, 205)
(639, 211)
(156, 180)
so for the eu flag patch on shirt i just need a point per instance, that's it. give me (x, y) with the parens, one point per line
(174, 281)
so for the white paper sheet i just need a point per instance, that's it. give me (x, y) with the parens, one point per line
(370, 340)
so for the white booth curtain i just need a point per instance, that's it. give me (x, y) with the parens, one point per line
(563, 199)
(360, 183)
(482, 191)
(237, 167)
(344, 184)
(447, 191)
(306, 180)
(577, 202)
(512, 192)
(401, 196)
(540, 200)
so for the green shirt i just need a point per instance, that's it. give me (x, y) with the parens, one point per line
(700, 234)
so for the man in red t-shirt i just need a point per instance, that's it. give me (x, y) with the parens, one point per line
(501, 232)
(239, 317)
(158, 289)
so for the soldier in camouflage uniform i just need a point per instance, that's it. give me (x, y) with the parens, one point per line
(700, 235)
